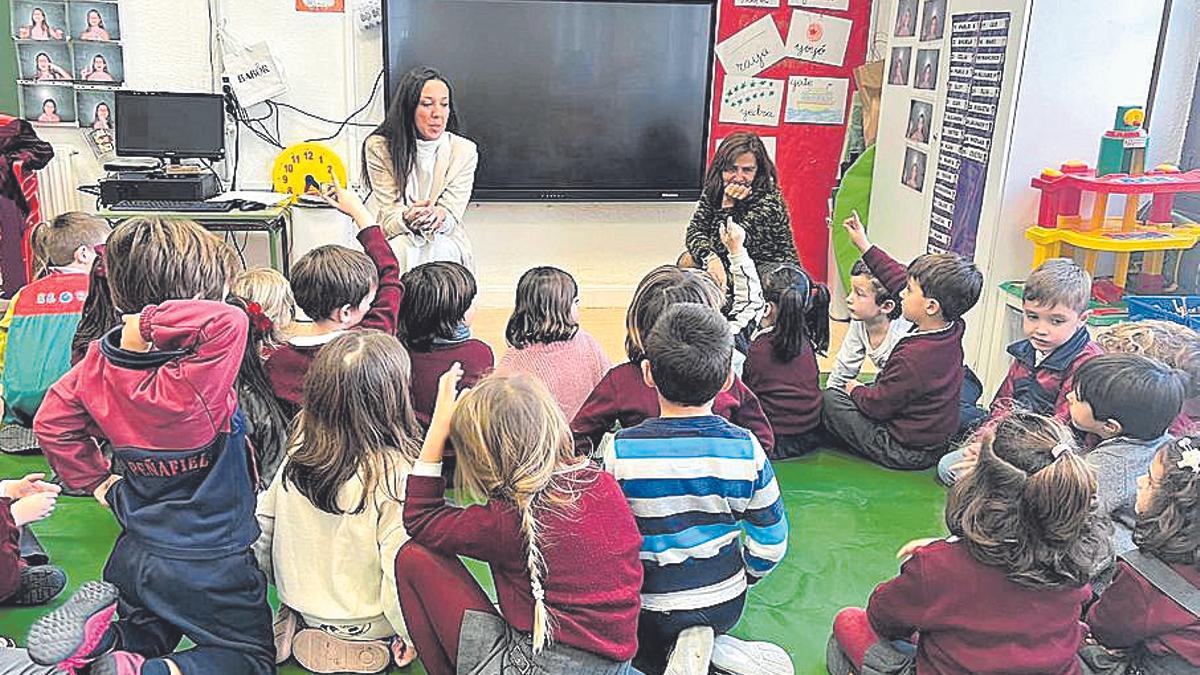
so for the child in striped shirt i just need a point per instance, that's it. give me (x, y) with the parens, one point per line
(696, 483)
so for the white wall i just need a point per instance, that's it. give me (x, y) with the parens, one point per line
(330, 65)
(1176, 82)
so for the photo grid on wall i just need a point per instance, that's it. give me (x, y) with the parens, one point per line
(915, 58)
(978, 45)
(69, 62)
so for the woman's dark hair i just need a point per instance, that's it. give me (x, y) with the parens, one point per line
(399, 124)
(801, 311)
(542, 313)
(1039, 526)
(734, 146)
(358, 420)
(87, 22)
(269, 428)
(1169, 529)
(437, 296)
(99, 314)
(50, 100)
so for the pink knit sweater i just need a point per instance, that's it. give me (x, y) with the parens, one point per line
(570, 369)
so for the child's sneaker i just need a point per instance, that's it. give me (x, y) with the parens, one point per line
(73, 635)
(39, 585)
(18, 440)
(692, 653)
(118, 663)
(321, 652)
(286, 623)
(738, 657)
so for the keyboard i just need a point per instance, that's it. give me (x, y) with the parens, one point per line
(172, 205)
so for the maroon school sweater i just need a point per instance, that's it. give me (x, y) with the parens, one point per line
(10, 551)
(623, 396)
(790, 391)
(1132, 611)
(427, 368)
(972, 619)
(286, 366)
(593, 575)
(916, 394)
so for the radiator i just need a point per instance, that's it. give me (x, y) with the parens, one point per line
(57, 183)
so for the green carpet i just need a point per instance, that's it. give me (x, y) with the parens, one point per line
(847, 519)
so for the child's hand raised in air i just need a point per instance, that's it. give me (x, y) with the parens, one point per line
(33, 508)
(30, 485)
(858, 233)
(733, 236)
(443, 411)
(348, 202)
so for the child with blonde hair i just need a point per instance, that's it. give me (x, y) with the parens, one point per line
(270, 289)
(331, 520)
(545, 340)
(560, 540)
(1148, 615)
(1004, 593)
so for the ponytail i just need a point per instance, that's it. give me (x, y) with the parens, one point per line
(99, 314)
(37, 246)
(801, 311)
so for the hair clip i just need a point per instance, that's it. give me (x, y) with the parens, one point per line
(1191, 456)
(1060, 449)
(262, 322)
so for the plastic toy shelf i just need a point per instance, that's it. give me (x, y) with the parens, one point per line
(1049, 242)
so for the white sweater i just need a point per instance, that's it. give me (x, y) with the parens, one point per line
(857, 346)
(336, 569)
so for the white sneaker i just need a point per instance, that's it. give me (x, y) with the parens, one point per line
(692, 653)
(739, 657)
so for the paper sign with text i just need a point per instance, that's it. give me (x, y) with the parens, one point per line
(752, 49)
(840, 5)
(751, 100)
(819, 38)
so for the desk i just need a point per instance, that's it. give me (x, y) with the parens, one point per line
(275, 221)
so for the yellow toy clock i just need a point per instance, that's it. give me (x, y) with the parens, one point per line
(304, 166)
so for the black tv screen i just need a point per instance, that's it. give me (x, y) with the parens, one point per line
(587, 100)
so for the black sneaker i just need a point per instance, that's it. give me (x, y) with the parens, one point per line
(39, 585)
(18, 440)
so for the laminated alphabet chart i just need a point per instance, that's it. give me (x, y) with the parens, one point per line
(978, 45)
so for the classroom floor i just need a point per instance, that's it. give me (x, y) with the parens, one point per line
(847, 518)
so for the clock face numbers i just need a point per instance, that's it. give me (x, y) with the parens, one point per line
(305, 167)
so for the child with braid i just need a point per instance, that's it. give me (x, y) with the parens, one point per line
(560, 540)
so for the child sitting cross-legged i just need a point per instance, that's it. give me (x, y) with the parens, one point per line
(160, 390)
(331, 520)
(1005, 592)
(875, 327)
(781, 367)
(623, 396)
(1054, 319)
(545, 340)
(554, 529)
(1150, 614)
(339, 289)
(1128, 401)
(696, 483)
(906, 418)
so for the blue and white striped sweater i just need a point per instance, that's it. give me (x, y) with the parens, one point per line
(695, 485)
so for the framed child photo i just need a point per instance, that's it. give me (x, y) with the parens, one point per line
(94, 21)
(44, 61)
(39, 20)
(926, 75)
(94, 107)
(99, 62)
(48, 103)
(920, 117)
(914, 169)
(900, 66)
(933, 20)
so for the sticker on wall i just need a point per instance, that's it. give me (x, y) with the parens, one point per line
(901, 62)
(933, 20)
(44, 61)
(819, 38)
(974, 84)
(839, 5)
(48, 103)
(752, 49)
(755, 3)
(816, 100)
(920, 118)
(926, 75)
(914, 169)
(906, 19)
(38, 20)
(320, 5)
(751, 100)
(94, 21)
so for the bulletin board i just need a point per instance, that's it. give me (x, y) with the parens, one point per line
(784, 70)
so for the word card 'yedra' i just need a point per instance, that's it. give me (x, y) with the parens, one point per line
(751, 100)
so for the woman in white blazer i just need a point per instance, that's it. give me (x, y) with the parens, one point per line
(421, 173)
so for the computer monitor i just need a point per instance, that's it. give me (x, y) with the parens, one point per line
(169, 125)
